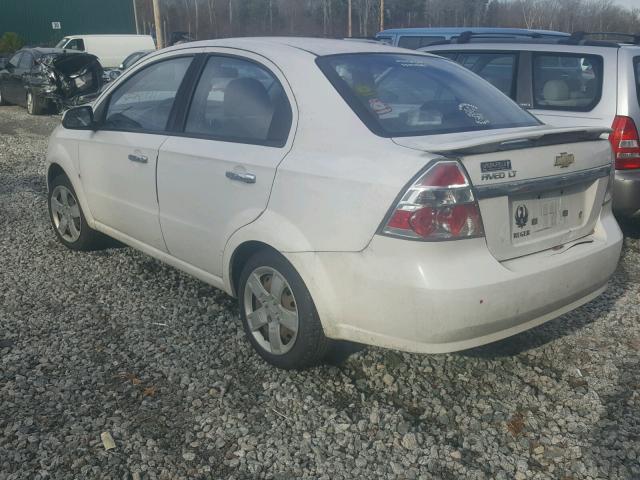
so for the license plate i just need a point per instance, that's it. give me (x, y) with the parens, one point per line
(532, 217)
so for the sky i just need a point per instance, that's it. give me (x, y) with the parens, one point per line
(628, 3)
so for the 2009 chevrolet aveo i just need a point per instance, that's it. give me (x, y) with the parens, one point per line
(341, 190)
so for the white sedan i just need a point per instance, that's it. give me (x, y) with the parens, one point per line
(340, 190)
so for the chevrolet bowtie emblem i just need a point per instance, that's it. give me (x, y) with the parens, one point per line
(564, 160)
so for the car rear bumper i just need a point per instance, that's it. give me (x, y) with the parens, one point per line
(626, 192)
(448, 296)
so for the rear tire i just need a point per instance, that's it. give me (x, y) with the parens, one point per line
(3, 102)
(35, 104)
(67, 218)
(278, 313)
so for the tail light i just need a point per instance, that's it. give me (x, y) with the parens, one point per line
(440, 205)
(625, 143)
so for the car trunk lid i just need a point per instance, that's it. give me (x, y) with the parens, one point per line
(537, 187)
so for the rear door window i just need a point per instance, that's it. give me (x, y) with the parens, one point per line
(144, 101)
(497, 68)
(563, 81)
(414, 42)
(239, 100)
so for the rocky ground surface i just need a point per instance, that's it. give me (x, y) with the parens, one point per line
(114, 341)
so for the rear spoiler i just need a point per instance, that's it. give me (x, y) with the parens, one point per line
(475, 143)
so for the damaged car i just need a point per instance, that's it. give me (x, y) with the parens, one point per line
(45, 79)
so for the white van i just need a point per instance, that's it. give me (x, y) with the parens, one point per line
(111, 50)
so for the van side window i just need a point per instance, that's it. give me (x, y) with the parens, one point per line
(240, 101)
(563, 81)
(144, 101)
(497, 68)
(75, 44)
(414, 42)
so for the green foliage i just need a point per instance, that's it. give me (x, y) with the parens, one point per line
(10, 42)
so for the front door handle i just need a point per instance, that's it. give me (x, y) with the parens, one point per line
(138, 158)
(241, 177)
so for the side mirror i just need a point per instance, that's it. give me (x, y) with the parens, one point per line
(79, 118)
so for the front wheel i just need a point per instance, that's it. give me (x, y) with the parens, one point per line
(2, 100)
(278, 314)
(35, 104)
(67, 217)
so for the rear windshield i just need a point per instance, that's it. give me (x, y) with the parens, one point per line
(563, 81)
(405, 95)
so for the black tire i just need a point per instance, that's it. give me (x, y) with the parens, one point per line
(2, 100)
(310, 345)
(88, 239)
(36, 105)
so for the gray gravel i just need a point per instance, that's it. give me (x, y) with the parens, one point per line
(113, 341)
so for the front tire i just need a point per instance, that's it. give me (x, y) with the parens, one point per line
(3, 102)
(35, 104)
(67, 218)
(278, 314)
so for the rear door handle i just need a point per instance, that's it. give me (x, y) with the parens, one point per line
(241, 177)
(138, 158)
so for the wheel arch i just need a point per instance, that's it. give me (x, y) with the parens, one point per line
(239, 258)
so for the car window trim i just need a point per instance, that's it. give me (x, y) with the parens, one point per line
(102, 109)
(179, 130)
(596, 98)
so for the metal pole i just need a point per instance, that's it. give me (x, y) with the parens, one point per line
(349, 21)
(135, 16)
(381, 15)
(158, 22)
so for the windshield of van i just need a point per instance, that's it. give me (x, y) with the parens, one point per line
(405, 95)
(61, 42)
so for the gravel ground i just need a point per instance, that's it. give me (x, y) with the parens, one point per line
(114, 341)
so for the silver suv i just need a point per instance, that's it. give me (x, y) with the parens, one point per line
(573, 81)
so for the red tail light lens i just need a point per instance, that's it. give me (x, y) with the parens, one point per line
(625, 143)
(438, 206)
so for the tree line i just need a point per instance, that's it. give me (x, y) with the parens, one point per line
(203, 19)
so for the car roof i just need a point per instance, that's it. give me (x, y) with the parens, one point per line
(457, 30)
(524, 44)
(314, 46)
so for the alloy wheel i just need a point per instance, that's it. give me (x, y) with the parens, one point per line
(65, 212)
(271, 311)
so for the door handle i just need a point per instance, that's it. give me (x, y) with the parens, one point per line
(241, 177)
(138, 158)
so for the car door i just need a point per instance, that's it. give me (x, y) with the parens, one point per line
(215, 175)
(118, 161)
(10, 80)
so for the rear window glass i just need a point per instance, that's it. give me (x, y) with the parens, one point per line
(566, 82)
(415, 42)
(497, 68)
(636, 64)
(406, 95)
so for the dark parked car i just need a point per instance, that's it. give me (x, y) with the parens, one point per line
(133, 58)
(42, 78)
